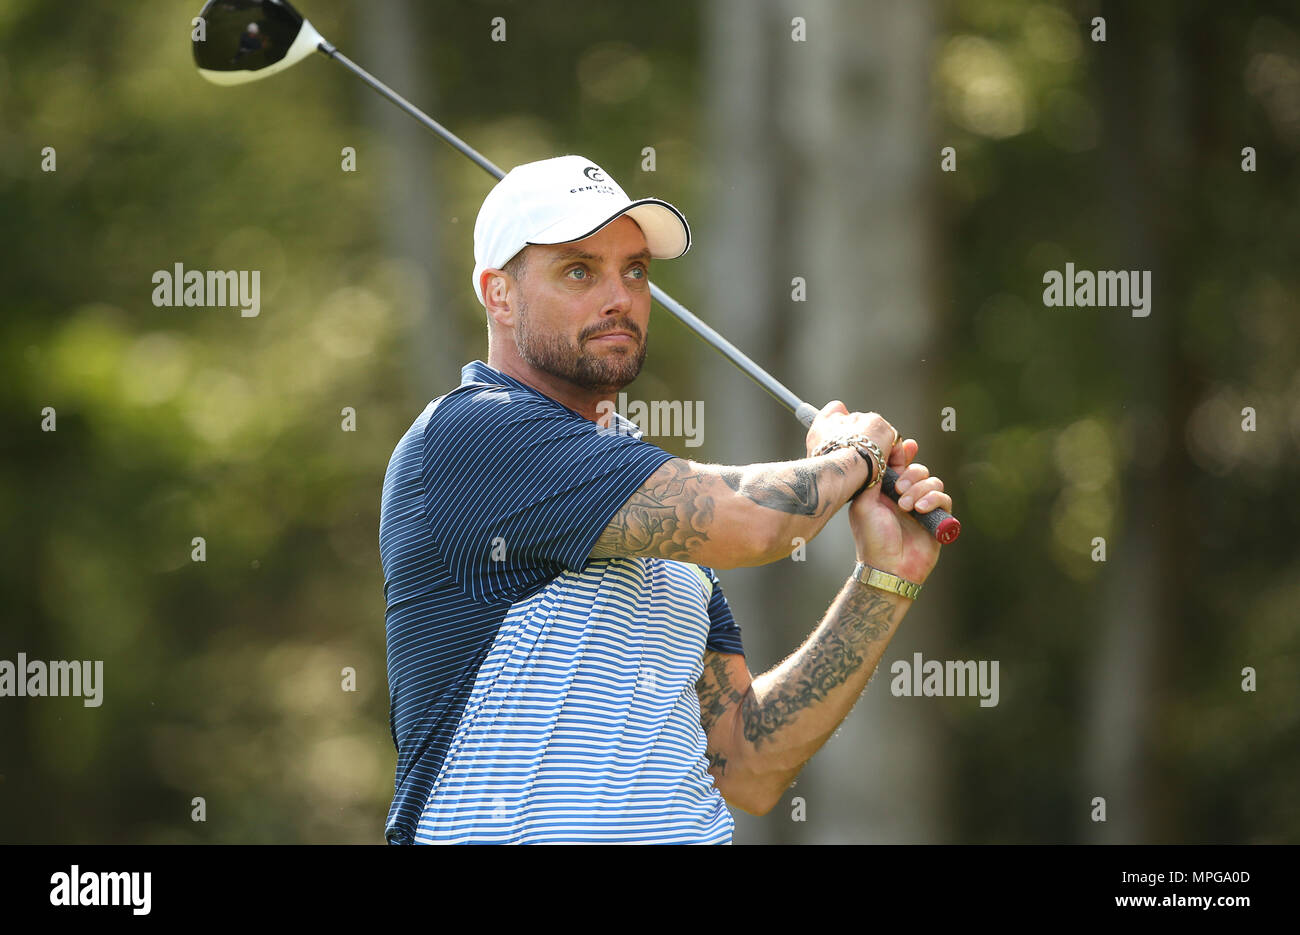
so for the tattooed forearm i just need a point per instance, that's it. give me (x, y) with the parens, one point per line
(792, 489)
(760, 732)
(833, 655)
(707, 514)
(795, 491)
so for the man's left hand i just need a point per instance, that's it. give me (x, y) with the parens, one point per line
(886, 537)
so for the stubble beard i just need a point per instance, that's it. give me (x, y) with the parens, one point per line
(555, 354)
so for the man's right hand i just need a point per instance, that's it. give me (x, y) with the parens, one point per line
(835, 421)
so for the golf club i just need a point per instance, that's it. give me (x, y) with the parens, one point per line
(247, 40)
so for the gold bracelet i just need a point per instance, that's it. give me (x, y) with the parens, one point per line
(879, 472)
(874, 457)
(887, 582)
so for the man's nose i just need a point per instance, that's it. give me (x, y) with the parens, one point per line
(618, 298)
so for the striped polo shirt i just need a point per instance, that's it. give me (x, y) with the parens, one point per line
(537, 695)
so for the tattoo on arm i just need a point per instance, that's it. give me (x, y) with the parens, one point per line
(794, 489)
(668, 516)
(716, 692)
(672, 513)
(827, 661)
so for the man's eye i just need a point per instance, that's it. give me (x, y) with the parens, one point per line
(640, 270)
(579, 269)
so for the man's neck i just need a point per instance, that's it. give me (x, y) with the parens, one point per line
(581, 400)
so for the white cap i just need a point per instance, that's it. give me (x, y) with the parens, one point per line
(561, 200)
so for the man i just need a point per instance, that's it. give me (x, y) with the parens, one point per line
(563, 664)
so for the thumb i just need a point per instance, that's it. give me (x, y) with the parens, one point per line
(832, 407)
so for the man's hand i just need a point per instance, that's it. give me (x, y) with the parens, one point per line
(835, 421)
(761, 731)
(886, 537)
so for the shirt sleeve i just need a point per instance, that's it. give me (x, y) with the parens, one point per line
(518, 488)
(724, 632)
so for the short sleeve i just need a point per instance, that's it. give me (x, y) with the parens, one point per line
(724, 632)
(518, 488)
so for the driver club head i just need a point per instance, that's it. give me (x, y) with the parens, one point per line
(246, 40)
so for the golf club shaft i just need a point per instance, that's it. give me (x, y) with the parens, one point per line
(941, 524)
(431, 124)
(729, 350)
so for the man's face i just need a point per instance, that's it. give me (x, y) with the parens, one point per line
(583, 308)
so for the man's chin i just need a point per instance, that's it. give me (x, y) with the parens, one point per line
(605, 371)
(614, 369)
(606, 382)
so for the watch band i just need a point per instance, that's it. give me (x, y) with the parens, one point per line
(886, 582)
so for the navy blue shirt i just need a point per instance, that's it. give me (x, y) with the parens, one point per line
(514, 661)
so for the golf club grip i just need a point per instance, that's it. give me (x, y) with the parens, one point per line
(942, 525)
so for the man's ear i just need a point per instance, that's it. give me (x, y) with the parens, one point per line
(496, 295)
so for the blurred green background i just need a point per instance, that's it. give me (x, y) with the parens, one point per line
(818, 158)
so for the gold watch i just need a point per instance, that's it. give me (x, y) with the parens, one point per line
(886, 582)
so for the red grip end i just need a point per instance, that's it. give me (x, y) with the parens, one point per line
(948, 530)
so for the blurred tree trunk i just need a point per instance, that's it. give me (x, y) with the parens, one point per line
(1117, 749)
(820, 154)
(1159, 87)
(410, 198)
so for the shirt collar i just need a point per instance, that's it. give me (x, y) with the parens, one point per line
(478, 372)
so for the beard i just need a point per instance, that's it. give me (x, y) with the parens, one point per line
(561, 357)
